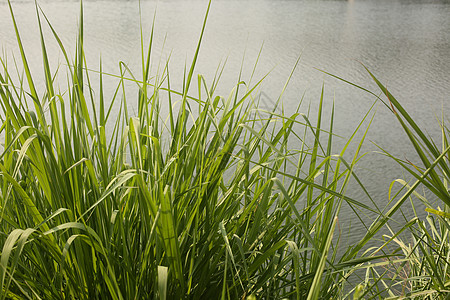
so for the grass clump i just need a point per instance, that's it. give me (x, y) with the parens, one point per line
(419, 268)
(427, 250)
(195, 203)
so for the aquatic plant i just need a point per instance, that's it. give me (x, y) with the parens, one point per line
(199, 202)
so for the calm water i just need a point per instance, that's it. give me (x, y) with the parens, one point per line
(405, 43)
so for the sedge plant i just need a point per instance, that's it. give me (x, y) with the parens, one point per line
(419, 267)
(195, 203)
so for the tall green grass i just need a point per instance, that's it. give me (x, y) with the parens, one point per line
(421, 262)
(197, 203)
(427, 250)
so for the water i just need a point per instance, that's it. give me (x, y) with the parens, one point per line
(405, 43)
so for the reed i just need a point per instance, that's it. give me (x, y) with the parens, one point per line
(198, 203)
(427, 249)
(420, 268)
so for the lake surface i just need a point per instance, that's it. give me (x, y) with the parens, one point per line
(405, 43)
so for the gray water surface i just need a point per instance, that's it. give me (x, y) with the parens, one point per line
(405, 43)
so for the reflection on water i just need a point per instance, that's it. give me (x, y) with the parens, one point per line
(405, 42)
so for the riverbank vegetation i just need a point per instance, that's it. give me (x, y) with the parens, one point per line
(197, 201)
